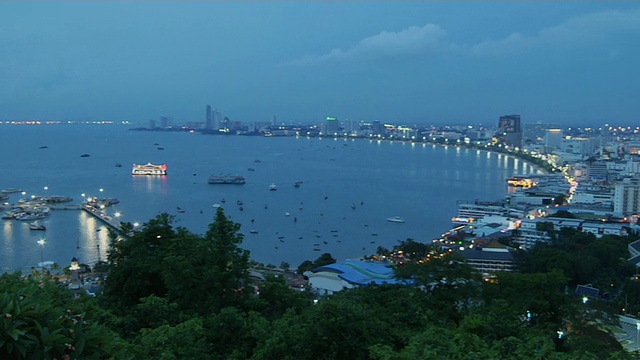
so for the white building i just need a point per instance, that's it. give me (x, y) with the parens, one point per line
(627, 197)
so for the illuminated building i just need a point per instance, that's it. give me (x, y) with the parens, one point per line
(332, 125)
(509, 130)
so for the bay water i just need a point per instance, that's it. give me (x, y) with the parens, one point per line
(348, 189)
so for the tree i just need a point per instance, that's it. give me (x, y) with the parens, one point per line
(40, 320)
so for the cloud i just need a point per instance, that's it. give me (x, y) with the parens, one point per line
(587, 29)
(410, 41)
(577, 31)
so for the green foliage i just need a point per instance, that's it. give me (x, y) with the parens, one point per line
(42, 321)
(200, 274)
(324, 259)
(183, 341)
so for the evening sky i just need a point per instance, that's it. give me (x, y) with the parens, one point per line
(400, 62)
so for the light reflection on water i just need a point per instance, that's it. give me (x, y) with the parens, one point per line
(382, 179)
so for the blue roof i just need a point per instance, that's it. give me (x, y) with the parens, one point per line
(363, 272)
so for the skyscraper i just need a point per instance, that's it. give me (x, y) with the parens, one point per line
(332, 126)
(209, 124)
(509, 130)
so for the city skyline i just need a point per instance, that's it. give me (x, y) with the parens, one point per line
(571, 64)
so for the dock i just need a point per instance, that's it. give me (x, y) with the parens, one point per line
(114, 224)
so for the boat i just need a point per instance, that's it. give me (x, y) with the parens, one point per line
(253, 231)
(37, 226)
(29, 217)
(149, 169)
(395, 219)
(181, 210)
(216, 205)
(43, 147)
(297, 184)
(85, 155)
(273, 187)
(226, 179)
(11, 191)
(160, 148)
(118, 165)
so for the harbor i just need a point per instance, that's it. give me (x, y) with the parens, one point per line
(366, 183)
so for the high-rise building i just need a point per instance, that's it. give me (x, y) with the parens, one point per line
(217, 119)
(332, 126)
(509, 130)
(164, 121)
(209, 124)
(626, 198)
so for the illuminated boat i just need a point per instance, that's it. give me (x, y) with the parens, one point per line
(149, 169)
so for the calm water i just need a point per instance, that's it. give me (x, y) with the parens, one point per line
(420, 183)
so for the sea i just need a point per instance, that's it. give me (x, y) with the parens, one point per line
(349, 187)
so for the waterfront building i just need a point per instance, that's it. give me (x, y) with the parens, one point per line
(217, 119)
(165, 121)
(377, 128)
(537, 131)
(627, 196)
(209, 119)
(553, 138)
(509, 130)
(332, 126)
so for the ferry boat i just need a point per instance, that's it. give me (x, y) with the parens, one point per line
(149, 169)
(226, 179)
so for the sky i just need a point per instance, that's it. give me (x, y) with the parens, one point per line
(407, 63)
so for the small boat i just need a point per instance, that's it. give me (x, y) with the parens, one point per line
(118, 165)
(85, 155)
(395, 219)
(273, 187)
(297, 184)
(181, 210)
(253, 231)
(36, 226)
(160, 148)
(43, 147)
(287, 214)
(216, 205)
(251, 169)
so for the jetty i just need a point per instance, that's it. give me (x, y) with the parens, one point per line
(106, 219)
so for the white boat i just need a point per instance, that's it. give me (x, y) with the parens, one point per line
(29, 217)
(273, 187)
(395, 219)
(37, 226)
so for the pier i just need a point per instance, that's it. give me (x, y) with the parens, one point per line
(114, 224)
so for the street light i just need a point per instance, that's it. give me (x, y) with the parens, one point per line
(42, 242)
